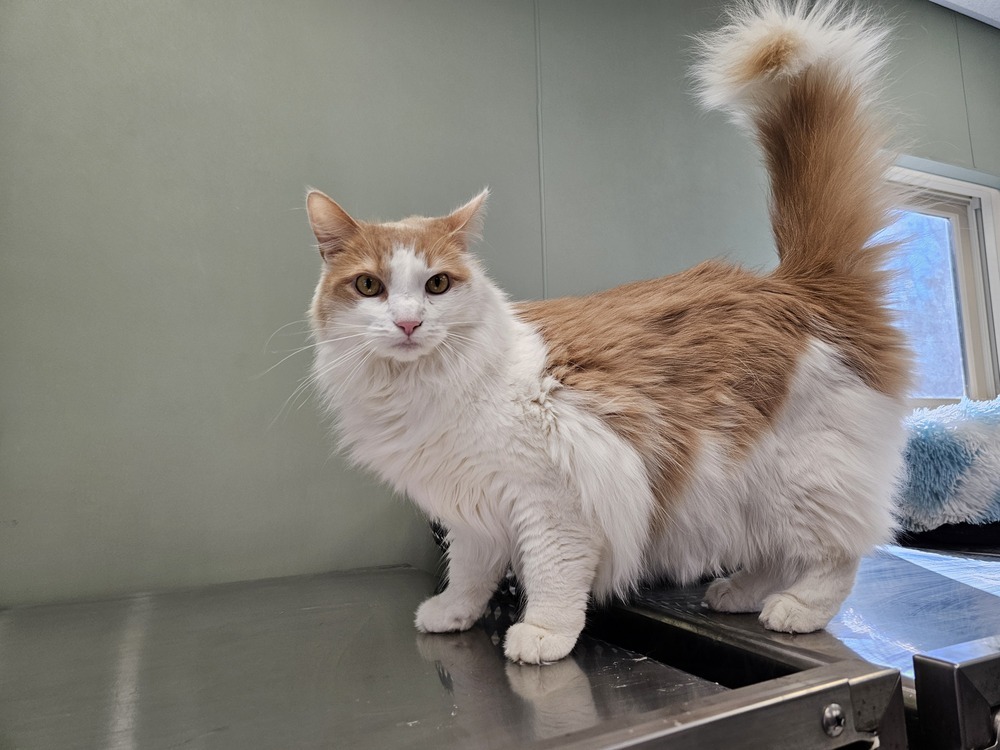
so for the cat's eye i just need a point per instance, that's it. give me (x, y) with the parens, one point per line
(368, 286)
(438, 284)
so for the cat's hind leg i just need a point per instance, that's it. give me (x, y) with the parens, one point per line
(558, 559)
(743, 591)
(812, 600)
(475, 564)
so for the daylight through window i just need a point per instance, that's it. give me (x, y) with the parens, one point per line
(942, 282)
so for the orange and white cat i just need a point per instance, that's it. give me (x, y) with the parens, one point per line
(711, 422)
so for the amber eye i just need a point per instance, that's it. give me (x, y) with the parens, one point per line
(368, 286)
(438, 284)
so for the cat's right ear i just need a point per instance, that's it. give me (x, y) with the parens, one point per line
(331, 224)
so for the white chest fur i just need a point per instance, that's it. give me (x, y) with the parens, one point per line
(482, 439)
(455, 440)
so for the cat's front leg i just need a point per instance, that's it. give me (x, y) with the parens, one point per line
(558, 559)
(475, 564)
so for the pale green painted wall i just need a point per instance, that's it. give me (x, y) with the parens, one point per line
(155, 156)
(637, 178)
(980, 49)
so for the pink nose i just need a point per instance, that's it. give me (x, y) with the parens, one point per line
(408, 326)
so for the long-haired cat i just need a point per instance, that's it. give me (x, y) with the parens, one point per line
(711, 422)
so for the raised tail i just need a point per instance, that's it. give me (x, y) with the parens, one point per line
(807, 83)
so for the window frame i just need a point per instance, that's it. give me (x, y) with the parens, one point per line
(974, 211)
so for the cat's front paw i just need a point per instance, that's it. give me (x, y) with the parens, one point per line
(442, 614)
(530, 644)
(786, 613)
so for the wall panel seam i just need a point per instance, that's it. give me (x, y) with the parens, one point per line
(541, 161)
(965, 90)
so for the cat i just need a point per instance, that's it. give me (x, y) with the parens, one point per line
(714, 422)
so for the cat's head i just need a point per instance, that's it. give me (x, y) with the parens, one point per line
(395, 289)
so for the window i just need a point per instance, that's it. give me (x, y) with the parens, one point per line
(946, 287)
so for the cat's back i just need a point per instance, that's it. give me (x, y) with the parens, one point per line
(687, 329)
(710, 350)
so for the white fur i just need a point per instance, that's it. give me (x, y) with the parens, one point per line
(847, 42)
(468, 425)
(814, 495)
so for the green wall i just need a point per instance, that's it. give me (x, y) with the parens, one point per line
(152, 239)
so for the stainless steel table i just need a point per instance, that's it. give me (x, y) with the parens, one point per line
(307, 662)
(334, 661)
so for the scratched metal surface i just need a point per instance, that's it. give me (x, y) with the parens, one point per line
(318, 661)
(909, 601)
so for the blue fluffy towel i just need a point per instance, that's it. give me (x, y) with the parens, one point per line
(953, 466)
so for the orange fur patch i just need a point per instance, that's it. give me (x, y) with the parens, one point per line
(826, 156)
(769, 58)
(710, 349)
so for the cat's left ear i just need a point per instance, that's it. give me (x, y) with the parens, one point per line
(466, 222)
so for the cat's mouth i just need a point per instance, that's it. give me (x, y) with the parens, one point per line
(407, 349)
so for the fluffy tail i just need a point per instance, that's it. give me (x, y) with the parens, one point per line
(806, 82)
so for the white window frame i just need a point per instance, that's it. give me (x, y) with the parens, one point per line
(975, 213)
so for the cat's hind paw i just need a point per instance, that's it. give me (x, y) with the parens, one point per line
(786, 613)
(530, 644)
(724, 595)
(441, 614)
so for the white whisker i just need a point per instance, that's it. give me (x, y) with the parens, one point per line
(314, 377)
(306, 348)
(293, 323)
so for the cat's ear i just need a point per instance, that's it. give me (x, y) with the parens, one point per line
(466, 222)
(331, 224)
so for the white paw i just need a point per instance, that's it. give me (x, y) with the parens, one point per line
(725, 596)
(530, 644)
(439, 614)
(788, 614)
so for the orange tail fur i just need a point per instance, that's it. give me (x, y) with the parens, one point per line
(807, 84)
